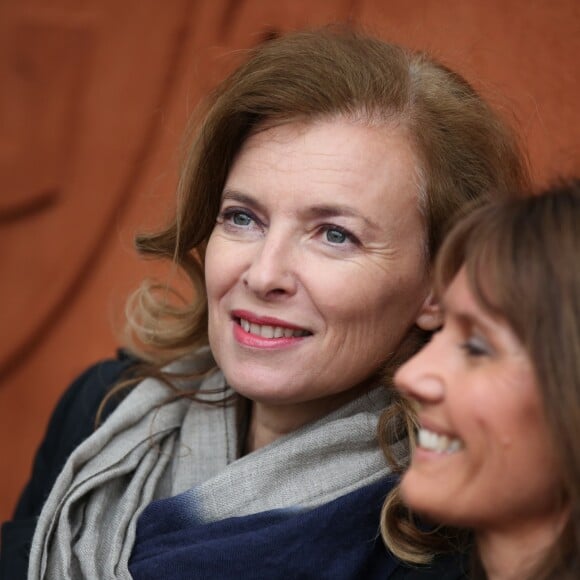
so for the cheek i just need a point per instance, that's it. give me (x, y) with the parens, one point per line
(508, 433)
(505, 410)
(210, 262)
(220, 267)
(489, 423)
(530, 439)
(348, 300)
(370, 312)
(219, 276)
(364, 292)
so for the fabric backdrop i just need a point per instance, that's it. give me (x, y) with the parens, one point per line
(94, 98)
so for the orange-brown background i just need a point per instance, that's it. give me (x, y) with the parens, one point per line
(94, 96)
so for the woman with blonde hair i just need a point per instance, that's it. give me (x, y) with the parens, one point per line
(497, 392)
(317, 187)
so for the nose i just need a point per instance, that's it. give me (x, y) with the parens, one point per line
(420, 378)
(271, 271)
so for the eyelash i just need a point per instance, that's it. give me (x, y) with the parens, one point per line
(475, 347)
(229, 214)
(346, 233)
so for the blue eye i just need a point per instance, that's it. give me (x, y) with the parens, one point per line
(336, 236)
(240, 218)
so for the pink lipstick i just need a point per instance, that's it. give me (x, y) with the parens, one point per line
(266, 331)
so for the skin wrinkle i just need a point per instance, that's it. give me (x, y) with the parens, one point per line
(314, 213)
(284, 176)
(378, 118)
(459, 148)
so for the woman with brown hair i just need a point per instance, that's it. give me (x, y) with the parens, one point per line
(498, 391)
(318, 185)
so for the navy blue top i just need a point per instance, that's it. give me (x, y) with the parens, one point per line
(337, 540)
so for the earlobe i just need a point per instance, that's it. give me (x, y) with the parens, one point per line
(430, 316)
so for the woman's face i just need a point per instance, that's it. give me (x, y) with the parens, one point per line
(315, 268)
(484, 457)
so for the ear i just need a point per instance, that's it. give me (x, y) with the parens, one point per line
(430, 317)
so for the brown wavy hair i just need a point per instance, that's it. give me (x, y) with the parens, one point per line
(464, 151)
(521, 260)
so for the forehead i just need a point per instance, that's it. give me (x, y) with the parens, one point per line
(459, 301)
(370, 166)
(320, 143)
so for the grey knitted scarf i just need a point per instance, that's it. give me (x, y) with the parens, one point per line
(150, 448)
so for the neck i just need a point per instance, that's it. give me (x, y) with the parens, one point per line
(512, 554)
(269, 422)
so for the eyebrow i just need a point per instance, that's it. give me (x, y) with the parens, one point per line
(235, 195)
(336, 210)
(315, 211)
(467, 317)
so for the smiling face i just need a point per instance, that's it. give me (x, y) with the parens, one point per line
(484, 458)
(315, 269)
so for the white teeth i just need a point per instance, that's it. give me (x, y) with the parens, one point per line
(439, 443)
(267, 331)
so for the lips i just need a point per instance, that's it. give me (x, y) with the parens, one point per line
(267, 328)
(270, 331)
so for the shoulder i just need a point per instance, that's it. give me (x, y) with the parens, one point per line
(76, 412)
(72, 421)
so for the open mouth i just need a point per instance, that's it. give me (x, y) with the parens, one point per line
(270, 331)
(432, 441)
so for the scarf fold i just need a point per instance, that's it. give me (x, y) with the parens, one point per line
(185, 451)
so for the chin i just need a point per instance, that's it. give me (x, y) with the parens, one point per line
(434, 508)
(419, 497)
(270, 391)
